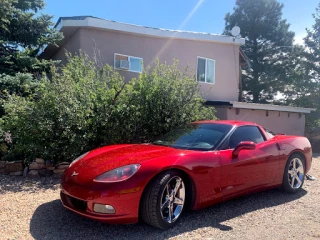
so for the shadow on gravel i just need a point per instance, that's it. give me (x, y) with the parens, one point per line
(20, 184)
(52, 221)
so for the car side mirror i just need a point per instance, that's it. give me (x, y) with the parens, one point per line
(246, 145)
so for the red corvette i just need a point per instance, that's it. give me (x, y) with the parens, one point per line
(193, 167)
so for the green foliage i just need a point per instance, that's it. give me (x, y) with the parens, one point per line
(309, 101)
(23, 33)
(312, 43)
(268, 46)
(276, 64)
(162, 99)
(74, 112)
(21, 84)
(312, 56)
(305, 91)
(83, 107)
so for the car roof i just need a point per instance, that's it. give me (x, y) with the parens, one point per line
(228, 122)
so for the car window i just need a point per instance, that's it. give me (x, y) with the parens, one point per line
(195, 136)
(245, 133)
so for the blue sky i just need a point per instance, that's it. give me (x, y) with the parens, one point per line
(191, 15)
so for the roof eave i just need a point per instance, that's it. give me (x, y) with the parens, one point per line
(259, 106)
(271, 107)
(98, 23)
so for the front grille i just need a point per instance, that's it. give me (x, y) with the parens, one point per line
(78, 204)
(74, 202)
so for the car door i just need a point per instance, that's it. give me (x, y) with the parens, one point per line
(251, 168)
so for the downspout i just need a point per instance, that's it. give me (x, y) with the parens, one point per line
(240, 82)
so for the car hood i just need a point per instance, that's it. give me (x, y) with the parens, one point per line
(107, 158)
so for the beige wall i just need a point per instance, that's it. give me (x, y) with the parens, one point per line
(149, 48)
(278, 122)
(72, 45)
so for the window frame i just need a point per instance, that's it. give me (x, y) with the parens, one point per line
(128, 56)
(205, 74)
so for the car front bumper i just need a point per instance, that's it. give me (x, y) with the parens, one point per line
(81, 200)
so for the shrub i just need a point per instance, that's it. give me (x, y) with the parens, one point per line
(74, 112)
(161, 99)
(83, 107)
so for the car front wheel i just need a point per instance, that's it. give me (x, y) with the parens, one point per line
(164, 200)
(294, 174)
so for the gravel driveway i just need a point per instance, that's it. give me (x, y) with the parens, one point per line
(32, 210)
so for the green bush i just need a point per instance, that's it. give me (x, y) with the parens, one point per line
(161, 99)
(83, 107)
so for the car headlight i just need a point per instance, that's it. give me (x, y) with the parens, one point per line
(78, 158)
(118, 174)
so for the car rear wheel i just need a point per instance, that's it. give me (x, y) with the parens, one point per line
(164, 200)
(294, 174)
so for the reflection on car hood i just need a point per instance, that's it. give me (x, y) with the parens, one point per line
(120, 155)
(107, 158)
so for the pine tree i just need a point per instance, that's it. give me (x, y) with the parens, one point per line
(24, 32)
(269, 45)
(306, 89)
(312, 44)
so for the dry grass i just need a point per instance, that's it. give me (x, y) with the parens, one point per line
(32, 210)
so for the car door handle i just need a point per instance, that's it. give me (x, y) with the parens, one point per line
(278, 146)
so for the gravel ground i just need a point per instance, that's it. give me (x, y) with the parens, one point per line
(31, 209)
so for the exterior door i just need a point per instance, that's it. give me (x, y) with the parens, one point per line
(251, 168)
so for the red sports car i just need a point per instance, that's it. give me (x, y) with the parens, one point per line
(192, 167)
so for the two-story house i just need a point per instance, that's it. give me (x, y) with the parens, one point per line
(214, 59)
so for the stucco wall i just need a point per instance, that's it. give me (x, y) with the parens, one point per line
(72, 45)
(150, 48)
(221, 113)
(278, 122)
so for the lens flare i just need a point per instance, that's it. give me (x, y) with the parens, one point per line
(174, 33)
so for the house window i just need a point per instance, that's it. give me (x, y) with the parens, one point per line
(206, 70)
(127, 63)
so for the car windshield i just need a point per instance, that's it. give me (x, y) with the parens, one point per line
(195, 136)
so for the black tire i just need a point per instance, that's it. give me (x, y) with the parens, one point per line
(287, 176)
(153, 197)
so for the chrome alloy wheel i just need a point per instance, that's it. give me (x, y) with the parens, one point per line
(295, 173)
(173, 199)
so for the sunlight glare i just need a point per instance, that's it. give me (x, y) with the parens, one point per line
(185, 21)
